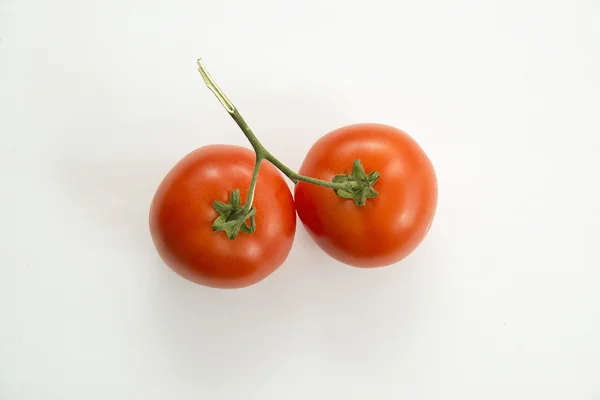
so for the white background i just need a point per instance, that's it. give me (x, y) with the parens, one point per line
(99, 98)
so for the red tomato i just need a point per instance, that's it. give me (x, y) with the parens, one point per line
(388, 227)
(182, 215)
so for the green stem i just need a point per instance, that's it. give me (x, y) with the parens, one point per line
(252, 188)
(261, 152)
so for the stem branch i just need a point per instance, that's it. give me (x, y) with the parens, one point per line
(252, 188)
(259, 149)
(232, 216)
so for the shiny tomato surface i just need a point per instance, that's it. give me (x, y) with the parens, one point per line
(388, 227)
(182, 215)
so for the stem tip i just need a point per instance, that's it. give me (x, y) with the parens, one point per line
(212, 85)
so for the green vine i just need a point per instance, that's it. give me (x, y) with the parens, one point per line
(232, 216)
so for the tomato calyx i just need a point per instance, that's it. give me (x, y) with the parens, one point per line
(232, 216)
(358, 184)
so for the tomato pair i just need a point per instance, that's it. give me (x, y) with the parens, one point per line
(381, 214)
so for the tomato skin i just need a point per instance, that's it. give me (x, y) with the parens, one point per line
(181, 218)
(390, 226)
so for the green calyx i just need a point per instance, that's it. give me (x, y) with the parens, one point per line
(232, 216)
(358, 185)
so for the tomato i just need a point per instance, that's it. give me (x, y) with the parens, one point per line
(182, 214)
(389, 226)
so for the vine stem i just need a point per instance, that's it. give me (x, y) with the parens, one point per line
(252, 188)
(261, 152)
